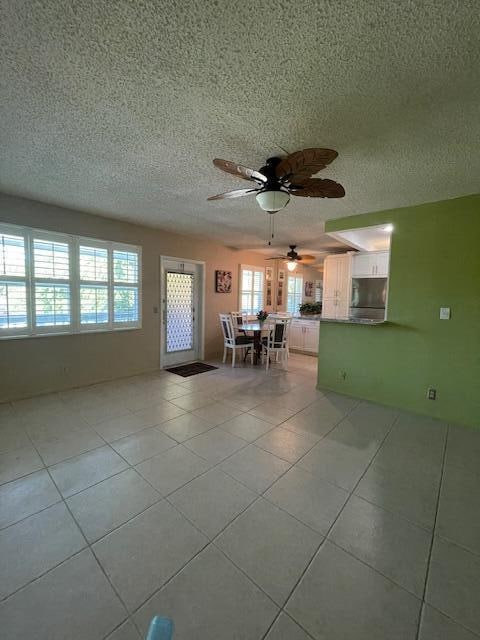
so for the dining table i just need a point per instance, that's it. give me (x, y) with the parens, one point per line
(256, 328)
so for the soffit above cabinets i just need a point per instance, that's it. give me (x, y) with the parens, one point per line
(375, 238)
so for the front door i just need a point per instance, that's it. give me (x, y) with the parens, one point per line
(181, 312)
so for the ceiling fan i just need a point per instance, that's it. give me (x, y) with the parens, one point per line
(293, 258)
(282, 177)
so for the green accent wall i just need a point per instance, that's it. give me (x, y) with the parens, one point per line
(434, 262)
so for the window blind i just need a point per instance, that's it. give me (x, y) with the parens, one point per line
(294, 293)
(125, 288)
(94, 298)
(251, 289)
(51, 283)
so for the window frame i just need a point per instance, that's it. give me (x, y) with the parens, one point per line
(17, 231)
(248, 267)
(74, 242)
(297, 277)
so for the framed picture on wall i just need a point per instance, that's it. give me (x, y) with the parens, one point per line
(281, 275)
(268, 274)
(280, 293)
(268, 295)
(308, 289)
(223, 281)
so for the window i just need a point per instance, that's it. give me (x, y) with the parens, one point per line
(57, 283)
(94, 307)
(125, 289)
(294, 293)
(251, 289)
(51, 283)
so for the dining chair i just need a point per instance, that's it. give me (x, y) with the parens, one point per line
(239, 318)
(231, 341)
(276, 341)
(283, 314)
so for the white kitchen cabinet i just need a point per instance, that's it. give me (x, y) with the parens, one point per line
(303, 335)
(337, 285)
(310, 336)
(382, 264)
(362, 265)
(372, 264)
(295, 336)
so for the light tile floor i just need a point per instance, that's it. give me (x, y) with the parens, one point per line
(243, 504)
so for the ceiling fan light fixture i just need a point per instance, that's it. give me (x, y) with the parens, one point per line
(291, 265)
(272, 200)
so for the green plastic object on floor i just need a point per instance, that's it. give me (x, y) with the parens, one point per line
(160, 629)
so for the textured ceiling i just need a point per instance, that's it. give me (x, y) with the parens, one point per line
(118, 108)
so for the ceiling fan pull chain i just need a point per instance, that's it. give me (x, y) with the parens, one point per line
(271, 230)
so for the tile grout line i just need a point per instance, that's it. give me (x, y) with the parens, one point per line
(258, 497)
(212, 541)
(309, 564)
(89, 546)
(432, 541)
(455, 622)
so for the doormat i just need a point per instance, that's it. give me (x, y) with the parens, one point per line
(187, 370)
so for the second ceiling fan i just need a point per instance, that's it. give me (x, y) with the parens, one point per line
(293, 258)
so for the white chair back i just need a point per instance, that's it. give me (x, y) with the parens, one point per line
(238, 318)
(278, 335)
(227, 328)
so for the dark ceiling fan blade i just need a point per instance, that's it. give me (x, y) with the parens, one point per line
(239, 170)
(305, 163)
(277, 258)
(317, 188)
(237, 193)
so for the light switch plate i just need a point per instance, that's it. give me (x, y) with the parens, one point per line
(444, 313)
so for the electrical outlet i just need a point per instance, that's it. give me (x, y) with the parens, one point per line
(444, 313)
(431, 393)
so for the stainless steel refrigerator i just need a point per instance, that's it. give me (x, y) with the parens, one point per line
(369, 296)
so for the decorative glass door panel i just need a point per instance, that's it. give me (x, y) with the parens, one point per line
(180, 311)
(181, 329)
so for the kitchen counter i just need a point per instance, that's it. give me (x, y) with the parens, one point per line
(319, 318)
(313, 316)
(353, 320)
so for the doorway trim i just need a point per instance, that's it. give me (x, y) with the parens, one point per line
(200, 313)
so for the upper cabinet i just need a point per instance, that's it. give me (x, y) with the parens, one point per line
(373, 264)
(337, 285)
